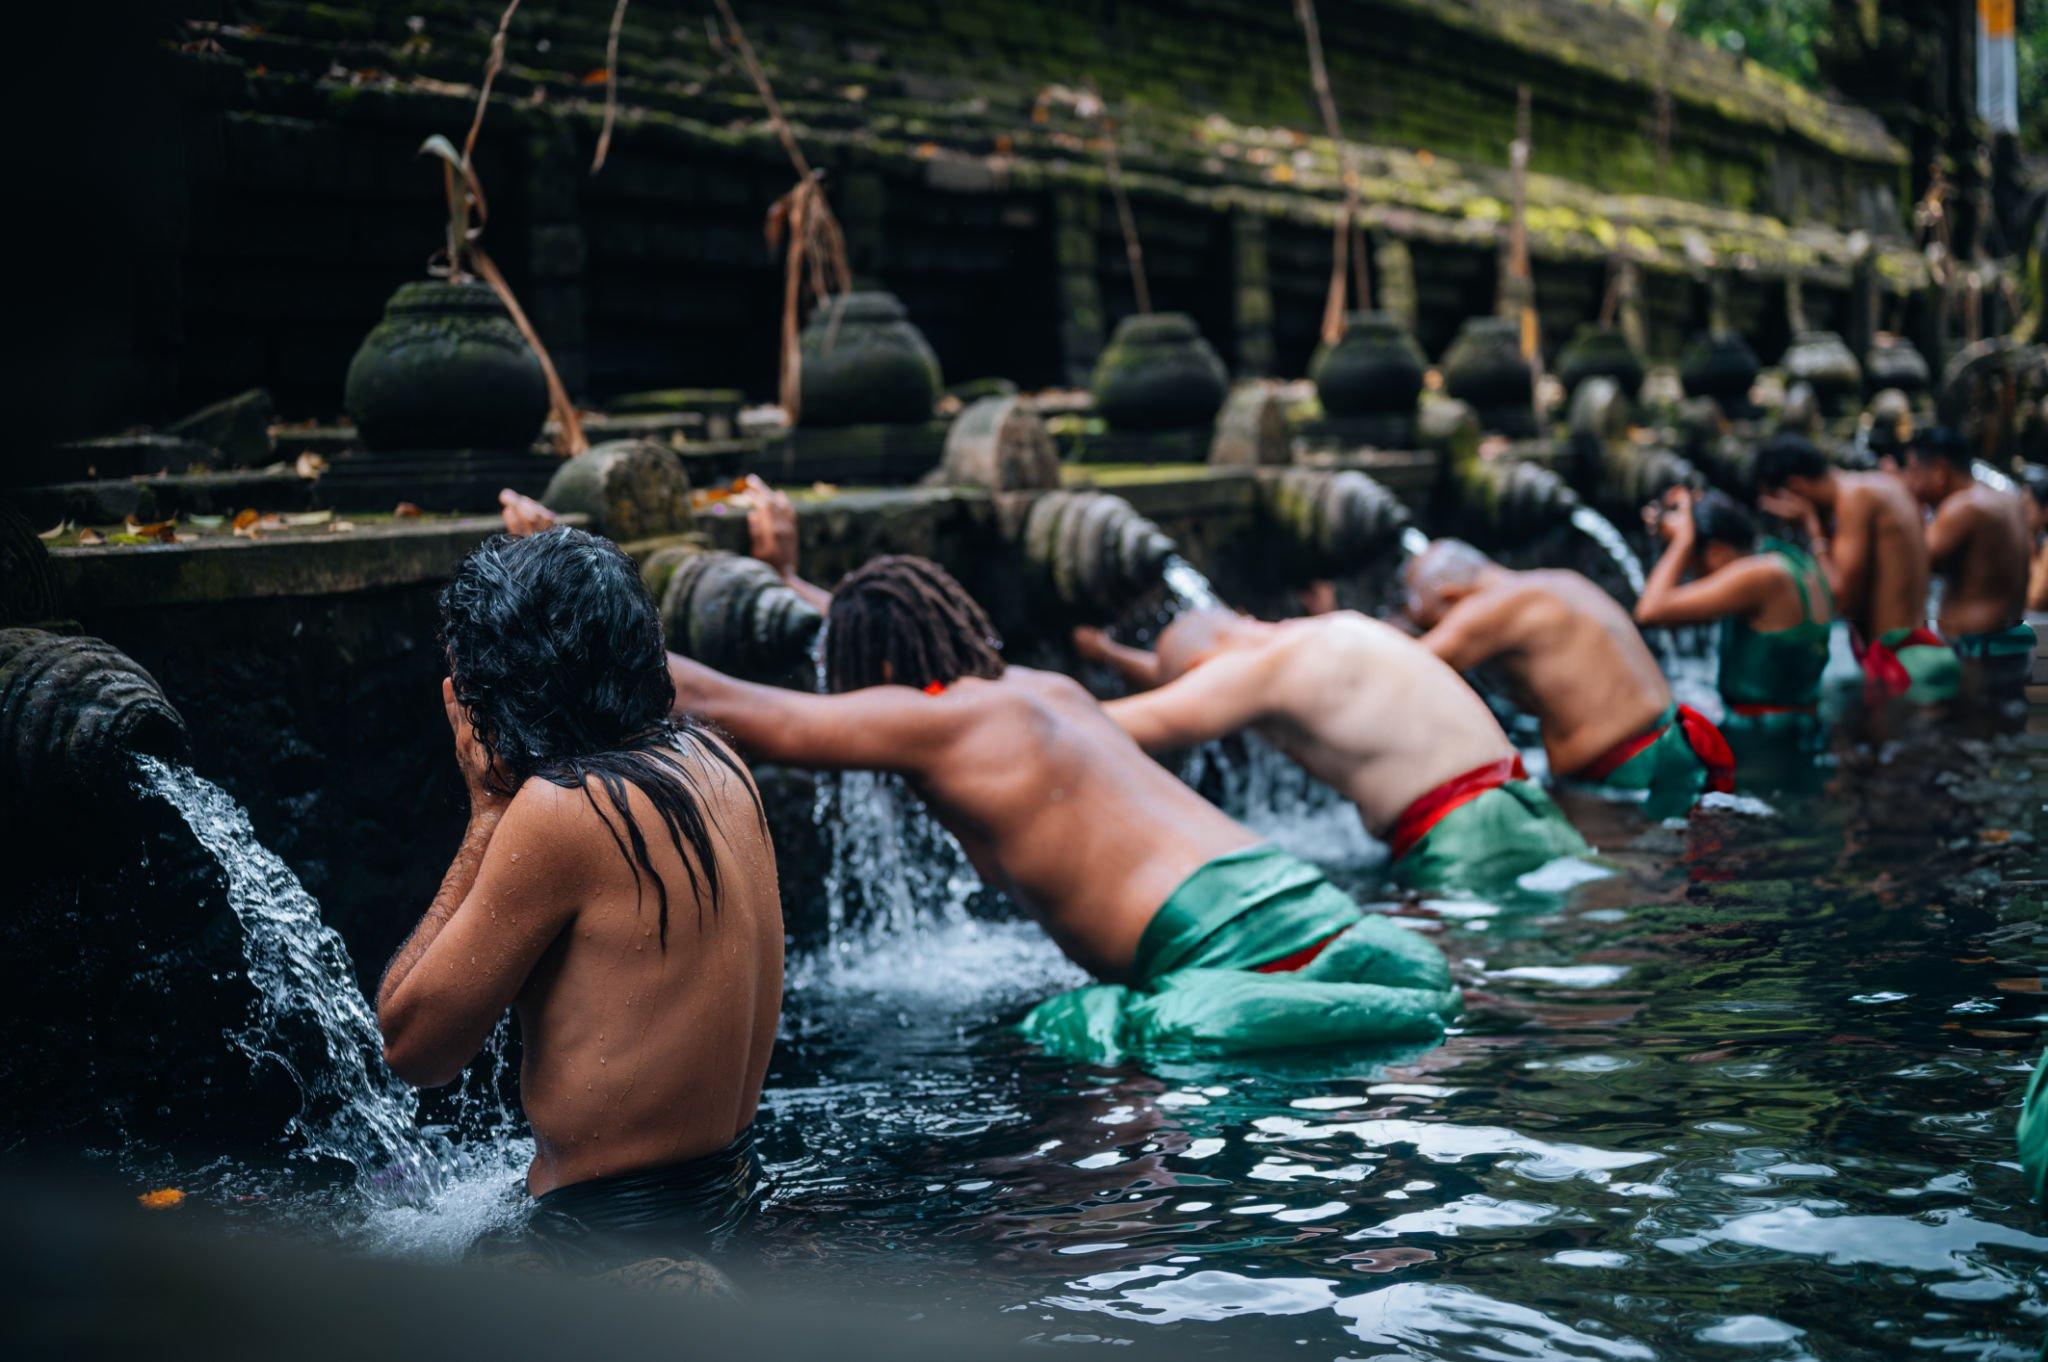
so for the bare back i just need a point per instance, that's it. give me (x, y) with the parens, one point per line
(1372, 713)
(1572, 654)
(1889, 587)
(1055, 805)
(636, 1054)
(1984, 573)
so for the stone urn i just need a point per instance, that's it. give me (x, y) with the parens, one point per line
(1822, 361)
(1374, 369)
(446, 369)
(1600, 352)
(1485, 368)
(74, 711)
(1157, 373)
(863, 363)
(1720, 365)
(1895, 362)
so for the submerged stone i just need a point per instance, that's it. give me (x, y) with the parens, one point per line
(446, 369)
(1374, 369)
(1158, 373)
(864, 363)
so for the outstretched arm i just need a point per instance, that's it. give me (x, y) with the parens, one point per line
(1221, 696)
(1138, 668)
(882, 728)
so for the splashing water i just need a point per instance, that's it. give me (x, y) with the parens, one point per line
(1266, 790)
(1601, 531)
(1414, 542)
(308, 1016)
(1991, 477)
(1191, 590)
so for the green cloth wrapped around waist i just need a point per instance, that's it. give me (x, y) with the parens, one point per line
(2018, 641)
(1671, 770)
(1933, 672)
(1502, 834)
(2033, 1132)
(1197, 988)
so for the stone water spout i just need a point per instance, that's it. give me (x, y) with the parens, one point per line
(1088, 551)
(1823, 360)
(1491, 501)
(74, 712)
(731, 612)
(1336, 522)
(1619, 471)
(1600, 352)
(26, 593)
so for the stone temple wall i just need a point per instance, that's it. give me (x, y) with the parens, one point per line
(295, 200)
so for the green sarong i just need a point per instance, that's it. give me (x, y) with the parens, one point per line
(1915, 665)
(1197, 987)
(1486, 842)
(1675, 762)
(2033, 1132)
(1998, 662)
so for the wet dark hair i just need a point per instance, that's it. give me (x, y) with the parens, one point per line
(904, 620)
(555, 649)
(1939, 444)
(1721, 519)
(1788, 456)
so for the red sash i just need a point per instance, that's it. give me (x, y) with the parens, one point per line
(1883, 674)
(1758, 711)
(1287, 964)
(1705, 740)
(1425, 813)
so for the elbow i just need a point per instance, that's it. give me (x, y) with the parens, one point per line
(408, 1054)
(1648, 615)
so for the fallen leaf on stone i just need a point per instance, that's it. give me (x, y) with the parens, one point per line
(90, 538)
(301, 518)
(130, 540)
(598, 77)
(1995, 835)
(245, 517)
(62, 528)
(163, 531)
(406, 511)
(161, 1199)
(342, 527)
(927, 150)
(310, 465)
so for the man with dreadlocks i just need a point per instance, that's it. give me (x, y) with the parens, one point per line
(1211, 940)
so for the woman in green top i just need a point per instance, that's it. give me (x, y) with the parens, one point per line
(1770, 597)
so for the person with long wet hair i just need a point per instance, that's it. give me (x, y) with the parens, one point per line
(1209, 940)
(1768, 595)
(616, 888)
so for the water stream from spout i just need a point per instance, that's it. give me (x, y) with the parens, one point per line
(1989, 475)
(1191, 590)
(1414, 542)
(308, 1016)
(1601, 531)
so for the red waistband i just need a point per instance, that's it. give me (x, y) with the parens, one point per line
(1425, 813)
(1300, 959)
(1705, 740)
(1618, 755)
(1883, 673)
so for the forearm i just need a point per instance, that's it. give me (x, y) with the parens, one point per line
(1663, 582)
(455, 887)
(812, 594)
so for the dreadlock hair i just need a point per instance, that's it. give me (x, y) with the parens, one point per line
(903, 620)
(555, 650)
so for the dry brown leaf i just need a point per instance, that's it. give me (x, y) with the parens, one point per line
(90, 538)
(161, 1199)
(62, 528)
(309, 465)
(405, 510)
(245, 517)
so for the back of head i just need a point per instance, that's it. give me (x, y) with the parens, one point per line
(1720, 519)
(1448, 565)
(555, 651)
(1786, 456)
(1937, 447)
(903, 620)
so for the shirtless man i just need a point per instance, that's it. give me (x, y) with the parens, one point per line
(1213, 941)
(1981, 542)
(1574, 658)
(1865, 531)
(1363, 708)
(616, 888)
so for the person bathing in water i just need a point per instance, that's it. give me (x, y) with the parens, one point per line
(1365, 709)
(1865, 532)
(1771, 600)
(616, 887)
(1209, 939)
(1979, 538)
(1573, 656)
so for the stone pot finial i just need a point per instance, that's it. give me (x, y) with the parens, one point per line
(1600, 352)
(446, 369)
(1822, 360)
(1000, 444)
(1374, 369)
(1158, 373)
(630, 489)
(1720, 365)
(864, 363)
(1485, 368)
(73, 713)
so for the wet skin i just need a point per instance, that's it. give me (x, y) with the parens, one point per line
(1362, 706)
(636, 1054)
(1757, 588)
(1049, 799)
(1571, 654)
(1979, 541)
(1866, 530)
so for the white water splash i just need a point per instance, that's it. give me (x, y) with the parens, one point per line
(893, 875)
(1601, 531)
(1268, 791)
(1414, 542)
(308, 1016)
(1989, 475)
(1191, 590)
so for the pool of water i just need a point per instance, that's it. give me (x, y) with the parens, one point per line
(1750, 1094)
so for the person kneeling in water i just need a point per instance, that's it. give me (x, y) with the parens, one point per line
(1211, 940)
(616, 887)
(1365, 709)
(1980, 540)
(1772, 602)
(1574, 657)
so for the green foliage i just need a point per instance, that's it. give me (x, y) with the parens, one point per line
(1779, 34)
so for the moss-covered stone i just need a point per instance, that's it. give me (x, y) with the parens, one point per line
(446, 369)
(1374, 369)
(1158, 373)
(1485, 368)
(864, 363)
